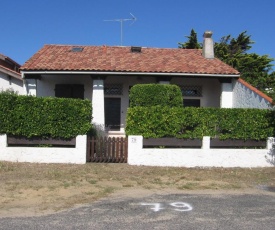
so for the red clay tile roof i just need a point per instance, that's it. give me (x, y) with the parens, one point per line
(121, 59)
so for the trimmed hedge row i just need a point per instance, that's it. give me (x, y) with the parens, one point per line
(155, 94)
(190, 122)
(44, 117)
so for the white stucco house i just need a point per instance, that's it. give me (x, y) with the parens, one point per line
(10, 77)
(105, 74)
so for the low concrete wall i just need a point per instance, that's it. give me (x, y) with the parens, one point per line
(204, 157)
(75, 155)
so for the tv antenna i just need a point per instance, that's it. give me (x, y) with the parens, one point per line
(121, 24)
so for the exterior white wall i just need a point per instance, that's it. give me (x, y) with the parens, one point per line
(204, 157)
(75, 155)
(11, 83)
(211, 89)
(243, 97)
(226, 95)
(46, 86)
(30, 87)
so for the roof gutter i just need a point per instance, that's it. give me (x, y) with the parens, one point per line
(126, 73)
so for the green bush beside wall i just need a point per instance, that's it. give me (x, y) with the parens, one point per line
(44, 117)
(155, 94)
(190, 122)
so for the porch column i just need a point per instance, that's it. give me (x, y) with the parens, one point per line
(226, 100)
(30, 87)
(98, 103)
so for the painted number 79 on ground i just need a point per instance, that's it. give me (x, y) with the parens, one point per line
(176, 206)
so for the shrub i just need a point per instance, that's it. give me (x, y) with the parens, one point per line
(190, 122)
(44, 117)
(155, 94)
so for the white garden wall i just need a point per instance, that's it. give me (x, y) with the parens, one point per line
(75, 155)
(205, 157)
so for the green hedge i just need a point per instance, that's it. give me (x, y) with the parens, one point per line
(190, 122)
(155, 94)
(44, 117)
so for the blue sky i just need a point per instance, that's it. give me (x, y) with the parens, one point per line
(27, 25)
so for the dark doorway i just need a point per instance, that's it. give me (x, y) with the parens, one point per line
(112, 113)
(191, 102)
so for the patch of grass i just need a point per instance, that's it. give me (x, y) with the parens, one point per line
(6, 167)
(127, 185)
(157, 181)
(66, 184)
(188, 186)
(147, 186)
(89, 193)
(107, 190)
(92, 181)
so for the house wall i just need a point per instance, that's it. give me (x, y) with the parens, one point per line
(127, 82)
(75, 155)
(45, 87)
(245, 97)
(11, 83)
(205, 157)
(211, 89)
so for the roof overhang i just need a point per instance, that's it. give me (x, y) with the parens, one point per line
(10, 73)
(35, 74)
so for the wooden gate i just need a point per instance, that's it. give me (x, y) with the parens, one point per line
(107, 150)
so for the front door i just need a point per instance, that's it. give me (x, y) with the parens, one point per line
(112, 113)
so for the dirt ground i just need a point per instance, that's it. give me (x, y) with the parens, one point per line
(38, 189)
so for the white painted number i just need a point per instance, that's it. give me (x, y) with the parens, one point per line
(178, 206)
(156, 206)
(184, 207)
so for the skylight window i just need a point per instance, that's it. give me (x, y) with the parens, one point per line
(136, 49)
(77, 49)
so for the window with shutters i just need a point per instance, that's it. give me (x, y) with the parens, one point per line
(69, 91)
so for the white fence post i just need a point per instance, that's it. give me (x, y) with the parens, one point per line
(135, 144)
(206, 142)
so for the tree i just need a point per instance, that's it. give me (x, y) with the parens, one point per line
(254, 68)
(192, 42)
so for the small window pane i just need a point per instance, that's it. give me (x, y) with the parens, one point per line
(113, 89)
(191, 91)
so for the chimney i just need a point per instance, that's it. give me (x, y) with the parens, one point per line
(208, 45)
